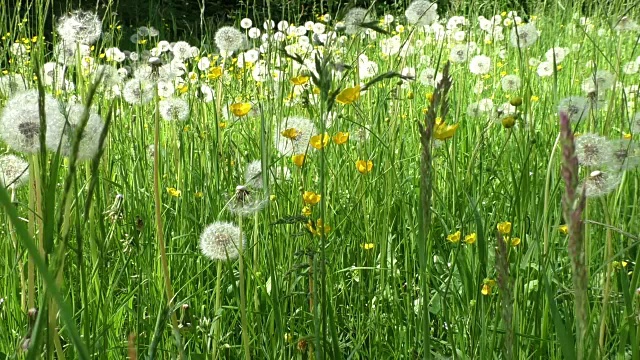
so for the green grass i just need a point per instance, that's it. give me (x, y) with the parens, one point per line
(364, 290)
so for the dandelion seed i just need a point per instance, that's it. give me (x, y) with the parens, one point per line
(480, 65)
(247, 202)
(11, 84)
(576, 108)
(600, 81)
(64, 135)
(174, 109)
(600, 183)
(593, 150)
(459, 53)
(421, 13)
(523, 36)
(626, 155)
(354, 18)
(510, 83)
(14, 171)
(221, 241)
(80, 27)
(138, 91)
(20, 121)
(228, 39)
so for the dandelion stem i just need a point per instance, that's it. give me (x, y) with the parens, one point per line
(243, 300)
(217, 317)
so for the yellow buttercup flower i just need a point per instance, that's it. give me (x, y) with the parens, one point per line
(311, 198)
(349, 95)
(455, 237)
(504, 227)
(319, 141)
(319, 228)
(174, 192)
(298, 159)
(290, 133)
(471, 238)
(443, 131)
(487, 286)
(364, 167)
(214, 73)
(306, 210)
(299, 80)
(240, 109)
(564, 229)
(626, 136)
(367, 246)
(199, 194)
(341, 138)
(515, 241)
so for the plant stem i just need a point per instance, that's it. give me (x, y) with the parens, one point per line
(243, 300)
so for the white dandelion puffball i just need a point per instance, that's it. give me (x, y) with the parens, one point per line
(221, 241)
(11, 84)
(459, 53)
(545, 69)
(593, 150)
(576, 107)
(480, 65)
(20, 121)
(229, 39)
(356, 17)
(304, 130)
(80, 27)
(510, 83)
(600, 183)
(557, 53)
(138, 91)
(63, 136)
(523, 36)
(14, 171)
(601, 80)
(174, 109)
(421, 13)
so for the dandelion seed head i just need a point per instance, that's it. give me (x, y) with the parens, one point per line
(510, 83)
(626, 155)
(83, 27)
(221, 241)
(63, 135)
(593, 150)
(14, 171)
(459, 53)
(229, 39)
(421, 13)
(11, 84)
(523, 36)
(174, 109)
(356, 17)
(600, 183)
(480, 65)
(576, 107)
(20, 120)
(138, 91)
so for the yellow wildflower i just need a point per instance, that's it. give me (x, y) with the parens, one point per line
(240, 109)
(349, 95)
(367, 246)
(515, 241)
(311, 198)
(214, 73)
(319, 228)
(199, 194)
(174, 192)
(504, 227)
(455, 237)
(299, 80)
(471, 238)
(290, 133)
(298, 159)
(341, 138)
(443, 131)
(319, 141)
(564, 229)
(364, 167)
(487, 286)
(306, 210)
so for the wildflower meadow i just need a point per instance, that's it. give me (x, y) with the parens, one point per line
(417, 180)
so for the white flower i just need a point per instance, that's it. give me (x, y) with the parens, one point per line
(523, 36)
(480, 65)
(459, 53)
(421, 12)
(510, 83)
(558, 53)
(174, 109)
(228, 39)
(545, 69)
(246, 23)
(79, 27)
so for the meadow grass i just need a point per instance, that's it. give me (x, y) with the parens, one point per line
(457, 252)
